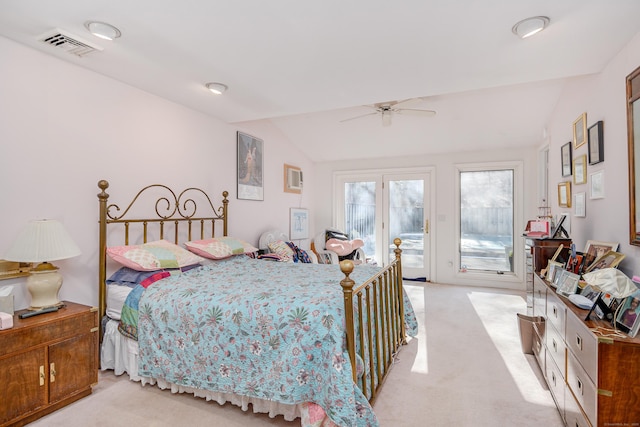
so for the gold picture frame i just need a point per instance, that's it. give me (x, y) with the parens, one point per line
(564, 194)
(580, 169)
(580, 131)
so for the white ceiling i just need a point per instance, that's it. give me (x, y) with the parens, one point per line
(307, 65)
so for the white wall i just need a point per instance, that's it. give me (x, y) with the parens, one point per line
(443, 226)
(602, 97)
(63, 128)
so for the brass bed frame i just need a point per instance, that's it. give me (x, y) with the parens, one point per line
(377, 324)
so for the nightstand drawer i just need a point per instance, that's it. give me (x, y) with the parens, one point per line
(64, 323)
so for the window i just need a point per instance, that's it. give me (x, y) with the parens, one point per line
(486, 219)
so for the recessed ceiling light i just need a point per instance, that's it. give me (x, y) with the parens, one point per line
(530, 26)
(217, 88)
(103, 30)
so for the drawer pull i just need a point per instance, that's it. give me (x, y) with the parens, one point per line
(555, 311)
(580, 387)
(553, 378)
(555, 345)
(41, 374)
(52, 372)
(579, 341)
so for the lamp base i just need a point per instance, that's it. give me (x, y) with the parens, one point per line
(43, 285)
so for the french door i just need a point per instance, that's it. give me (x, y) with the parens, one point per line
(378, 208)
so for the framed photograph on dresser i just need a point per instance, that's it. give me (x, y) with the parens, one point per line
(567, 283)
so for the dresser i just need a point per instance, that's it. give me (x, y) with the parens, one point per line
(46, 362)
(594, 378)
(538, 252)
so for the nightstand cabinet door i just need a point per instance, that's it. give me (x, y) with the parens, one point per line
(71, 366)
(23, 387)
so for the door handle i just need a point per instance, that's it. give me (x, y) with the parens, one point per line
(426, 226)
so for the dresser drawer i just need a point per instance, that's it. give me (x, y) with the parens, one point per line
(583, 344)
(582, 387)
(555, 381)
(556, 347)
(556, 312)
(539, 298)
(538, 343)
(574, 417)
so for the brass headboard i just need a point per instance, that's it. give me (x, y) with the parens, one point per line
(170, 210)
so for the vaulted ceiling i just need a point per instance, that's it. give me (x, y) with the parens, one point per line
(308, 65)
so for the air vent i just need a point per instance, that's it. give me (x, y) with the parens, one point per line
(69, 43)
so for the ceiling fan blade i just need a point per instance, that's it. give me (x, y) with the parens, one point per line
(407, 103)
(386, 118)
(414, 112)
(358, 117)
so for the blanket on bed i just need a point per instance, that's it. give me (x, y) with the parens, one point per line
(268, 330)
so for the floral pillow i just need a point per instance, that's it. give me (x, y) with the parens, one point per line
(220, 247)
(281, 249)
(152, 256)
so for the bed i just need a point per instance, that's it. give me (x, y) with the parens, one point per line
(301, 340)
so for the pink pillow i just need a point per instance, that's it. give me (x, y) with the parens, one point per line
(343, 247)
(153, 256)
(220, 247)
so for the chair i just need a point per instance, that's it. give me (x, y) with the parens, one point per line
(326, 256)
(275, 235)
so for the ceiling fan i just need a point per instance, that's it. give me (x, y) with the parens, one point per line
(388, 109)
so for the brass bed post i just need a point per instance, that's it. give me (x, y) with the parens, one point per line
(347, 284)
(102, 254)
(400, 292)
(225, 205)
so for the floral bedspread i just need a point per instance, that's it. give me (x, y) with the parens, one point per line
(262, 329)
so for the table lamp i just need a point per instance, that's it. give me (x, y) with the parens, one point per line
(43, 241)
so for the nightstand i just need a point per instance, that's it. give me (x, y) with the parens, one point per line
(47, 362)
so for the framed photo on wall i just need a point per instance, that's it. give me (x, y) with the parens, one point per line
(565, 155)
(249, 166)
(580, 204)
(298, 223)
(564, 194)
(580, 131)
(597, 185)
(596, 143)
(580, 170)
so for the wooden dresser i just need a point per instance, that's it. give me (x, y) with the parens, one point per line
(46, 362)
(594, 378)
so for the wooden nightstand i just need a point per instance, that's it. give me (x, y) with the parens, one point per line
(46, 362)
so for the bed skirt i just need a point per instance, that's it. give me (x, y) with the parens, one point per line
(120, 354)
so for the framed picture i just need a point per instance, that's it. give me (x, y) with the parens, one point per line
(596, 143)
(580, 130)
(298, 223)
(565, 156)
(250, 156)
(564, 194)
(629, 315)
(553, 267)
(610, 259)
(594, 250)
(597, 185)
(580, 170)
(567, 283)
(580, 205)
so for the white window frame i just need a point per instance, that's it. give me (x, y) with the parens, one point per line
(518, 243)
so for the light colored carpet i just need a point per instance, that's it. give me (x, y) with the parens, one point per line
(465, 368)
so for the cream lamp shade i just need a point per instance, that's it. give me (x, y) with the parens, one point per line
(43, 241)
(611, 281)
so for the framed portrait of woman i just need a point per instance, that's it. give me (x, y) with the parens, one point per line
(250, 156)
